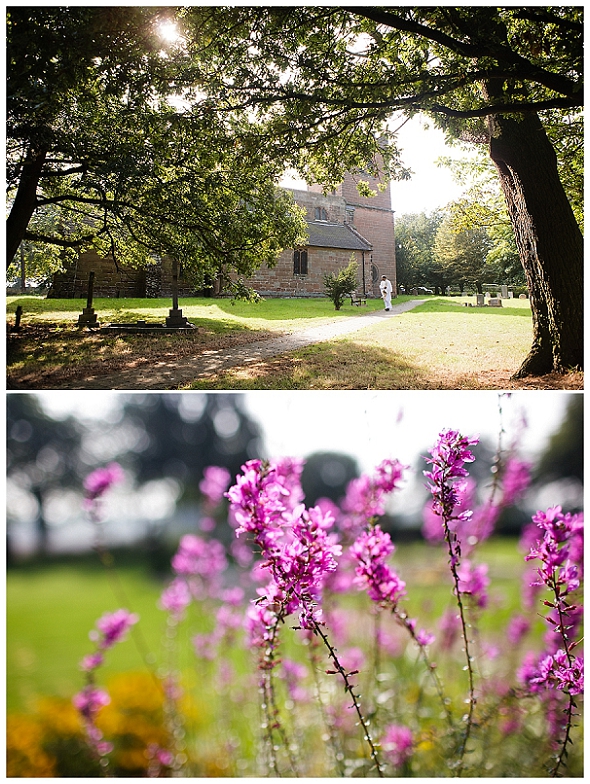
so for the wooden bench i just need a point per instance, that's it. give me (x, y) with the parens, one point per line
(358, 300)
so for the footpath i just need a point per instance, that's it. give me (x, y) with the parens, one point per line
(171, 375)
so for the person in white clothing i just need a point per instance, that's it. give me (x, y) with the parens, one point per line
(386, 290)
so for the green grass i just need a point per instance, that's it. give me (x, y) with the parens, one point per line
(51, 609)
(439, 344)
(50, 612)
(276, 314)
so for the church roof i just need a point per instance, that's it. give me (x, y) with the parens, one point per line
(335, 235)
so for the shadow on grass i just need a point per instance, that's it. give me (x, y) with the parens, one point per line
(346, 365)
(45, 353)
(330, 365)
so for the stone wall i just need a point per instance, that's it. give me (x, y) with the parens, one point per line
(113, 281)
(373, 218)
(377, 226)
(334, 205)
(280, 280)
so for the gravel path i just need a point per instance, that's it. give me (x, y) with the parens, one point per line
(174, 373)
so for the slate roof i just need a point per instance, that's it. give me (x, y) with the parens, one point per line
(335, 235)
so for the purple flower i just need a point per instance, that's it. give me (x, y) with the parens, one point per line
(558, 550)
(424, 638)
(561, 671)
(294, 673)
(297, 549)
(450, 626)
(176, 598)
(113, 628)
(517, 629)
(448, 458)
(102, 479)
(474, 580)
(91, 662)
(196, 556)
(372, 573)
(515, 481)
(215, 482)
(90, 700)
(432, 529)
(352, 659)
(365, 496)
(397, 743)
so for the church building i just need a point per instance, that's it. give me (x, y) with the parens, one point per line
(342, 226)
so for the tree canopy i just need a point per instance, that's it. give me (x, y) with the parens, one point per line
(327, 84)
(107, 149)
(94, 128)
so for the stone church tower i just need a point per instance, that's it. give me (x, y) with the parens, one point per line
(342, 225)
(373, 218)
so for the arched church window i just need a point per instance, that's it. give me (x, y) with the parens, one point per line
(300, 261)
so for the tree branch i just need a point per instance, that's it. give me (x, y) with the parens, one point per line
(34, 237)
(499, 51)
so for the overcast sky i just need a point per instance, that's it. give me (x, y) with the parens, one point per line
(399, 424)
(369, 425)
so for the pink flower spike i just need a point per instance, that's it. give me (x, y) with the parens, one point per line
(424, 638)
(102, 479)
(90, 700)
(114, 627)
(91, 662)
(397, 743)
(215, 482)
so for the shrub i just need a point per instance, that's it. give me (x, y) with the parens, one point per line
(341, 284)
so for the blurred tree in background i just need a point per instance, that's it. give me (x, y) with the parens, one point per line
(154, 437)
(326, 475)
(41, 454)
(180, 435)
(564, 456)
(171, 439)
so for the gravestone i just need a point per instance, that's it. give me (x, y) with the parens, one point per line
(495, 302)
(17, 318)
(480, 300)
(88, 317)
(504, 292)
(175, 317)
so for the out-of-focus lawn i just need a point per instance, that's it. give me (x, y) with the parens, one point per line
(51, 610)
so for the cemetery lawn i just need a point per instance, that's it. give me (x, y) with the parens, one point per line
(439, 345)
(49, 348)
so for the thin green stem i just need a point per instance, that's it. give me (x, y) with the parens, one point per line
(469, 718)
(561, 606)
(402, 619)
(329, 725)
(348, 686)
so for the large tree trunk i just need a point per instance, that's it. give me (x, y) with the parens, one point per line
(548, 238)
(25, 202)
